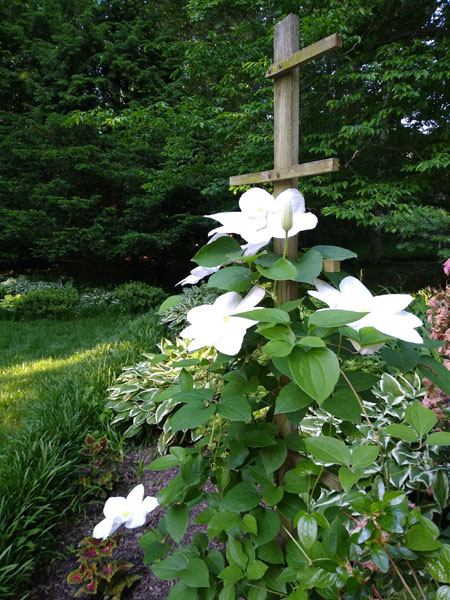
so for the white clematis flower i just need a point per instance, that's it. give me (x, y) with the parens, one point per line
(385, 312)
(214, 324)
(197, 275)
(131, 511)
(260, 218)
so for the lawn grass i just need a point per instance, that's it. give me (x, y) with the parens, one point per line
(54, 377)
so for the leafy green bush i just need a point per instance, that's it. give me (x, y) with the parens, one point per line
(47, 302)
(137, 296)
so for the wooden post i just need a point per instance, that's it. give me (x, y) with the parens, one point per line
(286, 125)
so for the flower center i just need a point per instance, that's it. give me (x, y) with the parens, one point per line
(226, 318)
(125, 514)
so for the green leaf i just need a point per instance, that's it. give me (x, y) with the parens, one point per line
(307, 530)
(235, 553)
(271, 553)
(309, 267)
(310, 341)
(421, 418)
(272, 494)
(379, 557)
(268, 526)
(192, 415)
(278, 332)
(231, 279)
(215, 253)
(328, 450)
(163, 462)
(403, 432)
(330, 317)
(295, 483)
(177, 520)
(185, 380)
(258, 439)
(277, 348)
(443, 592)
(170, 568)
(256, 569)
(334, 252)
(434, 370)
(364, 456)
(224, 520)
(231, 574)
(347, 478)
(180, 591)
(241, 497)
(169, 303)
(281, 270)
(215, 561)
(439, 566)
(440, 488)
(153, 549)
(344, 405)
(290, 399)
(267, 315)
(440, 438)
(316, 372)
(274, 456)
(249, 524)
(419, 538)
(404, 361)
(197, 395)
(196, 574)
(235, 408)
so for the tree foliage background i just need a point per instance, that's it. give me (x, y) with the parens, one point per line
(121, 121)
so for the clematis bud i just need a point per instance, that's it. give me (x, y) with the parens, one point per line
(287, 220)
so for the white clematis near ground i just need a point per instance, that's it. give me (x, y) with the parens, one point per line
(260, 218)
(385, 312)
(131, 511)
(214, 324)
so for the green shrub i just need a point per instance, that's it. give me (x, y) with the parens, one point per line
(47, 302)
(137, 296)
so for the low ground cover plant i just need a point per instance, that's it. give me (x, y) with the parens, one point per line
(330, 476)
(23, 299)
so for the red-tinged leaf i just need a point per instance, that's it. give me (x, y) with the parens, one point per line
(123, 565)
(91, 587)
(108, 571)
(130, 579)
(75, 577)
(90, 440)
(103, 442)
(107, 549)
(96, 542)
(115, 590)
(90, 553)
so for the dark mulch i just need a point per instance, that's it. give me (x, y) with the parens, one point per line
(53, 584)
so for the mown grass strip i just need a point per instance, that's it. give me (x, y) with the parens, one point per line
(60, 404)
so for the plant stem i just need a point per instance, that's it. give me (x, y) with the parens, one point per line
(405, 585)
(310, 562)
(413, 573)
(374, 433)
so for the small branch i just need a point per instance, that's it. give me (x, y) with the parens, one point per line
(413, 573)
(405, 585)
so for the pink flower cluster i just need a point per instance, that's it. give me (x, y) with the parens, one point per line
(438, 315)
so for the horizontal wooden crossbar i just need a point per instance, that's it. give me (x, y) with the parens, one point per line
(316, 167)
(328, 44)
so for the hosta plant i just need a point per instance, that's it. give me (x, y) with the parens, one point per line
(146, 393)
(315, 484)
(98, 573)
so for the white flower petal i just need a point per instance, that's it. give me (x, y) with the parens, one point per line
(255, 200)
(105, 528)
(227, 303)
(252, 249)
(326, 293)
(114, 506)
(231, 341)
(401, 325)
(296, 199)
(232, 222)
(392, 303)
(135, 497)
(254, 297)
(197, 274)
(137, 519)
(150, 503)
(356, 292)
